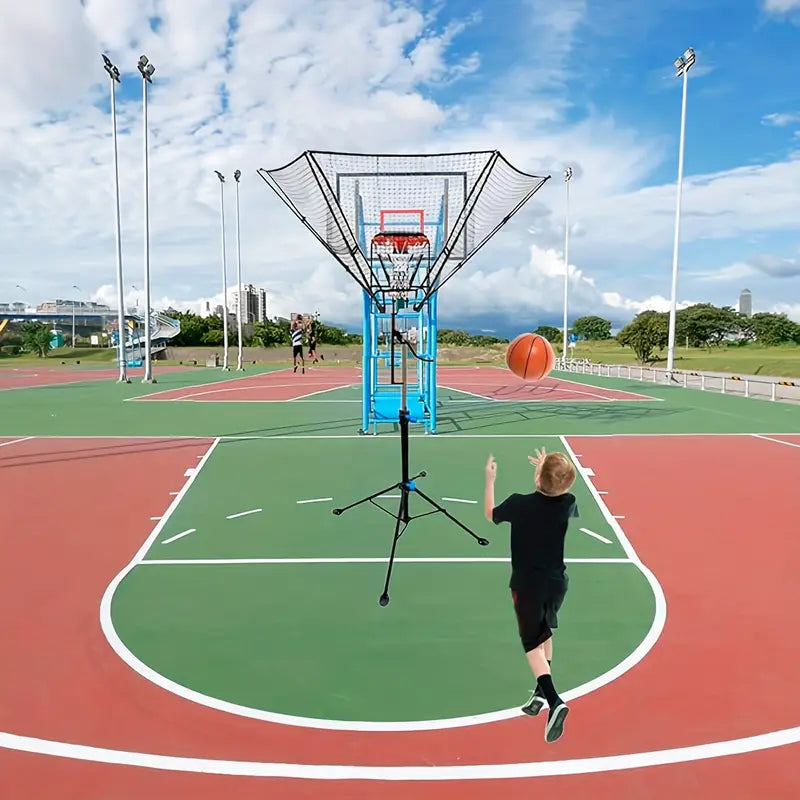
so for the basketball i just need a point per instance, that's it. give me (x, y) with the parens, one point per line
(530, 357)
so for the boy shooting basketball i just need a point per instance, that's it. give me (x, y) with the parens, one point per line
(539, 581)
(297, 342)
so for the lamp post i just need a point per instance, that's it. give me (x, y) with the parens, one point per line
(239, 367)
(73, 315)
(146, 69)
(224, 271)
(682, 65)
(114, 78)
(567, 178)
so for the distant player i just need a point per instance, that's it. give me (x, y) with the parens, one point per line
(312, 341)
(297, 342)
(539, 581)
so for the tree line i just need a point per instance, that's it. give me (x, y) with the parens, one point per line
(706, 325)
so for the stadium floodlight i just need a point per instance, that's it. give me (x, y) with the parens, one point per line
(239, 368)
(224, 270)
(114, 79)
(402, 226)
(146, 69)
(682, 65)
(567, 179)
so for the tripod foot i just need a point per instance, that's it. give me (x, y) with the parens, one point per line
(483, 542)
(337, 511)
(384, 601)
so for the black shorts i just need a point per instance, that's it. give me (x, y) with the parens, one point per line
(536, 606)
(297, 350)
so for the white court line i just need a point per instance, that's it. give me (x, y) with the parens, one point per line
(165, 683)
(221, 562)
(189, 472)
(322, 391)
(201, 385)
(17, 441)
(244, 513)
(173, 493)
(389, 496)
(618, 516)
(756, 435)
(458, 500)
(596, 535)
(314, 500)
(460, 772)
(588, 471)
(154, 519)
(179, 535)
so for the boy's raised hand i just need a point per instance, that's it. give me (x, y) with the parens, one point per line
(538, 458)
(491, 468)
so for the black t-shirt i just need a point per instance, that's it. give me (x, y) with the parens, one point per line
(538, 529)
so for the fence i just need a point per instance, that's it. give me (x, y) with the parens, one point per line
(764, 388)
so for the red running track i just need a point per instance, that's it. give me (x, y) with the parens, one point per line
(60, 680)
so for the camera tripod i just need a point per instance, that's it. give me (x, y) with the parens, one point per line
(407, 484)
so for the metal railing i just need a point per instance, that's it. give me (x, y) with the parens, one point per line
(764, 388)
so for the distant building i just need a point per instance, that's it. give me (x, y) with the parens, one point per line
(67, 307)
(746, 303)
(254, 304)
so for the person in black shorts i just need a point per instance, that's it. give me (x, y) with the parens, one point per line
(539, 581)
(297, 342)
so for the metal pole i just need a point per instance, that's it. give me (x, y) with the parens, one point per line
(146, 69)
(123, 367)
(239, 366)
(567, 176)
(682, 64)
(224, 271)
(73, 316)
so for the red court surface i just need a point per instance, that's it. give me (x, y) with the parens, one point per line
(276, 386)
(486, 383)
(494, 383)
(28, 377)
(724, 666)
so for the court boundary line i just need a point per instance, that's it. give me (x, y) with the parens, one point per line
(359, 560)
(766, 438)
(147, 672)
(591, 397)
(17, 441)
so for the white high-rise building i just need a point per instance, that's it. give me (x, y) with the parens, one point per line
(254, 304)
(746, 303)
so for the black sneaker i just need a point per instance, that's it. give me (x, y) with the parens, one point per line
(295, 368)
(555, 723)
(535, 704)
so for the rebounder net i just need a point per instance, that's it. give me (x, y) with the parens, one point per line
(456, 201)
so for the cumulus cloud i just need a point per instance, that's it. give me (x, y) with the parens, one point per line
(779, 7)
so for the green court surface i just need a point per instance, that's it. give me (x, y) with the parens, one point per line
(309, 639)
(251, 595)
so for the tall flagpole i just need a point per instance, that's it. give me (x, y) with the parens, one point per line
(113, 73)
(224, 270)
(146, 69)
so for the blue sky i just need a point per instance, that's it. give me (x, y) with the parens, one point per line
(587, 83)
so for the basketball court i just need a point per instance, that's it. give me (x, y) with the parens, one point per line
(187, 615)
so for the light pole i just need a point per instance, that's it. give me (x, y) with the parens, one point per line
(73, 315)
(146, 70)
(567, 178)
(224, 271)
(239, 367)
(682, 65)
(113, 74)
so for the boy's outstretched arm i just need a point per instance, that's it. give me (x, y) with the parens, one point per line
(488, 494)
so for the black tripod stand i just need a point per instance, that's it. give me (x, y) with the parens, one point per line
(407, 484)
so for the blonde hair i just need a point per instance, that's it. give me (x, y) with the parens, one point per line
(555, 475)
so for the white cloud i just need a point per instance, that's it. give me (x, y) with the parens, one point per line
(343, 74)
(781, 6)
(781, 119)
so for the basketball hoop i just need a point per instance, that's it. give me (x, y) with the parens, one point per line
(400, 248)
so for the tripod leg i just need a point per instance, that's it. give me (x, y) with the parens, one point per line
(460, 524)
(338, 511)
(384, 598)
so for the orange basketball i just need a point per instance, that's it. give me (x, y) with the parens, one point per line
(530, 357)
